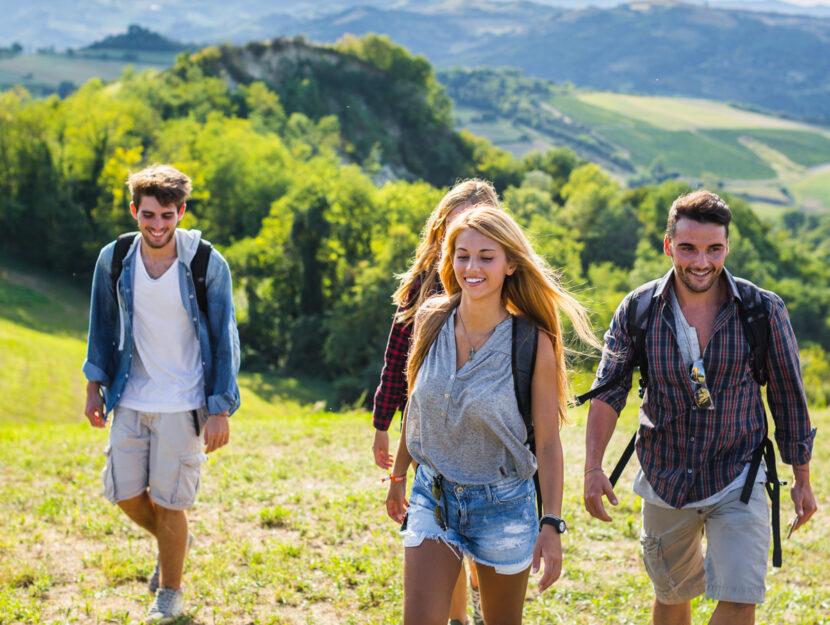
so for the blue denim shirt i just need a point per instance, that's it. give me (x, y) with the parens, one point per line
(110, 343)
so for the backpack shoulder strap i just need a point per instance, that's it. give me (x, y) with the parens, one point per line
(755, 322)
(122, 246)
(523, 356)
(523, 360)
(639, 314)
(198, 268)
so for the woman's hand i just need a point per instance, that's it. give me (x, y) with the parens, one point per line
(396, 502)
(548, 547)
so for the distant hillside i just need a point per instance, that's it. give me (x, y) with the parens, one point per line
(137, 39)
(661, 47)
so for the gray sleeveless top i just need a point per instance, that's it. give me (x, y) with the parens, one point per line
(466, 424)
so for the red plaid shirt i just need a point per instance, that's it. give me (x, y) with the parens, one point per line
(688, 453)
(392, 392)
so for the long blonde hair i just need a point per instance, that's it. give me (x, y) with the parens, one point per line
(425, 266)
(533, 290)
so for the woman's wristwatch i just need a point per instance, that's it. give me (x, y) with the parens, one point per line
(554, 521)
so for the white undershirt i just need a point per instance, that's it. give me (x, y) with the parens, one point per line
(166, 373)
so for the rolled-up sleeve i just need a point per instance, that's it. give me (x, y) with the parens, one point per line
(785, 389)
(616, 362)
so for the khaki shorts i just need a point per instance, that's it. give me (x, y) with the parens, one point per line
(735, 566)
(159, 451)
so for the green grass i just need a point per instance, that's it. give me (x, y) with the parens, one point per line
(290, 522)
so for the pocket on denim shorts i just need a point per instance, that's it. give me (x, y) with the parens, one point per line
(189, 480)
(512, 492)
(107, 475)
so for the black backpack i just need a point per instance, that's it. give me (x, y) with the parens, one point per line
(523, 360)
(755, 322)
(198, 266)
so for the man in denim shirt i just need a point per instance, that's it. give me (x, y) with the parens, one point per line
(701, 418)
(165, 369)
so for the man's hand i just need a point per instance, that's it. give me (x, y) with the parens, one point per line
(94, 409)
(802, 495)
(596, 485)
(217, 432)
(380, 449)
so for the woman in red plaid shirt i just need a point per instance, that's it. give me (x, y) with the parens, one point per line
(417, 284)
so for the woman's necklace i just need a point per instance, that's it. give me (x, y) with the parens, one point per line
(473, 348)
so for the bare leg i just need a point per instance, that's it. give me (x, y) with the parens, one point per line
(172, 539)
(728, 613)
(430, 571)
(458, 604)
(502, 596)
(142, 511)
(675, 614)
(473, 574)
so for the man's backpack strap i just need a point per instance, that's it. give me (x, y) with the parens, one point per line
(624, 458)
(122, 246)
(755, 322)
(198, 269)
(523, 357)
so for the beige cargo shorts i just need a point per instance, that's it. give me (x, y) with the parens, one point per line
(734, 567)
(159, 451)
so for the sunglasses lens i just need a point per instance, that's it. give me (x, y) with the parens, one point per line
(439, 516)
(436, 489)
(697, 373)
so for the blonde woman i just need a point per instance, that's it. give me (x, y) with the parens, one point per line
(473, 492)
(419, 283)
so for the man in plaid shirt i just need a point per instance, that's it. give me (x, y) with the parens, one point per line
(700, 420)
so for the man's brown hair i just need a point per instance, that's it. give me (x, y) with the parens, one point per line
(165, 183)
(702, 206)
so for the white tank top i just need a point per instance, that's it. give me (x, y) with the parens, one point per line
(166, 372)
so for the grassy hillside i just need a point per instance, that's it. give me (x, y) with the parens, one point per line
(290, 524)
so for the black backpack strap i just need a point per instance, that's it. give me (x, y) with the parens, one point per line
(122, 246)
(624, 458)
(198, 269)
(755, 322)
(523, 360)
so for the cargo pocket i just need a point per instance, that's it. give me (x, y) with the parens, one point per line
(187, 485)
(656, 566)
(107, 476)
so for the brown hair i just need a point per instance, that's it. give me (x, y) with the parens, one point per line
(533, 290)
(702, 206)
(425, 266)
(165, 183)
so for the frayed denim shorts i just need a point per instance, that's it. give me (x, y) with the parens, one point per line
(494, 524)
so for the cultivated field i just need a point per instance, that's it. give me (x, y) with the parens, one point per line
(290, 524)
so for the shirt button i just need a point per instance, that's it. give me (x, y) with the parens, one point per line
(126, 375)
(194, 318)
(452, 377)
(692, 439)
(446, 395)
(688, 470)
(443, 414)
(191, 297)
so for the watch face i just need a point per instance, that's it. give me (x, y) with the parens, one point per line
(561, 527)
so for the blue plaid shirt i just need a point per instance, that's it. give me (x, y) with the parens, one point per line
(688, 453)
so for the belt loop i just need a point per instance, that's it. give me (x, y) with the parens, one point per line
(488, 492)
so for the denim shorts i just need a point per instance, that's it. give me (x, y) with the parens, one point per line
(494, 524)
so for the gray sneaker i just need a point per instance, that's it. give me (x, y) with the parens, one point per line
(168, 605)
(153, 582)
